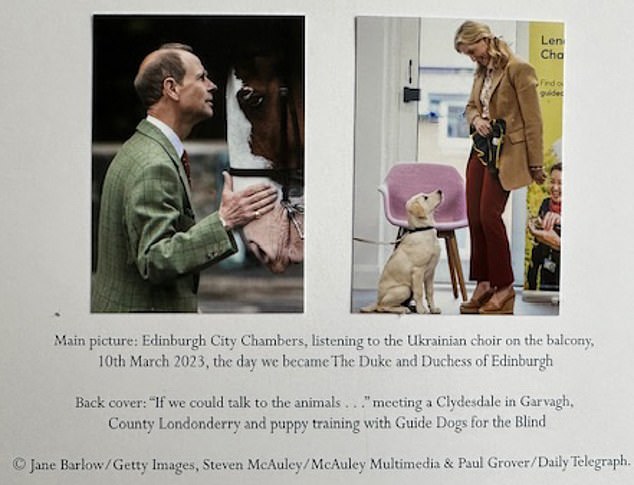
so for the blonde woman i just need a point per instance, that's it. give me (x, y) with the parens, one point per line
(504, 87)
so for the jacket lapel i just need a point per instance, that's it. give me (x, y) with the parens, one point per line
(153, 132)
(477, 88)
(496, 78)
(498, 75)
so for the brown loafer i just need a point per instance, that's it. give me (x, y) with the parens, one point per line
(472, 306)
(505, 307)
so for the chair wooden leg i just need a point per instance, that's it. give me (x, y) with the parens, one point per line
(455, 265)
(450, 261)
(458, 266)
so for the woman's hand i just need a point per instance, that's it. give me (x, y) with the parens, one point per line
(550, 219)
(481, 126)
(537, 174)
(534, 226)
(548, 237)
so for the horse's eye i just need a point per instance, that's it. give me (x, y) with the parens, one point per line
(250, 97)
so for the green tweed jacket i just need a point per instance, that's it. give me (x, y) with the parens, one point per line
(151, 249)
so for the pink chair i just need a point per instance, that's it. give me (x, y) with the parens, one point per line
(406, 179)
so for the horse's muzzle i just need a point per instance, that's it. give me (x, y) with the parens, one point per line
(276, 239)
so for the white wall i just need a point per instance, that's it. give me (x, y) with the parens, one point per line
(385, 130)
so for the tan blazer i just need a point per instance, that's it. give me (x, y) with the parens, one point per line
(515, 100)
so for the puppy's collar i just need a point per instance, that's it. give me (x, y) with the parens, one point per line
(419, 229)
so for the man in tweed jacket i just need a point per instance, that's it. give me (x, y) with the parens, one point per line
(151, 249)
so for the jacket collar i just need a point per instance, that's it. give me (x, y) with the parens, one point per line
(496, 77)
(169, 133)
(495, 80)
(153, 132)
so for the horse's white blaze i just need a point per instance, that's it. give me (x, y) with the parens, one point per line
(276, 239)
(238, 137)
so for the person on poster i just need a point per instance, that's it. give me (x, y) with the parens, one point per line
(151, 249)
(504, 88)
(546, 229)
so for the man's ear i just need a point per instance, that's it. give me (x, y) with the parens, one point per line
(170, 88)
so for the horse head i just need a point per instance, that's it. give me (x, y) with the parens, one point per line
(265, 134)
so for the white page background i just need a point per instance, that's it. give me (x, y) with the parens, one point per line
(45, 135)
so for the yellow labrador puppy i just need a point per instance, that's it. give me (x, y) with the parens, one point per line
(410, 269)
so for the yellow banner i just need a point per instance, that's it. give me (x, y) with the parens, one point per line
(547, 57)
(542, 259)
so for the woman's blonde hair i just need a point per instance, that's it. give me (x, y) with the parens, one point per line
(471, 32)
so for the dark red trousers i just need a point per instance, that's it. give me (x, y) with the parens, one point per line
(490, 250)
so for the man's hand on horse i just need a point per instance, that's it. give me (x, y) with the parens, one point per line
(239, 208)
